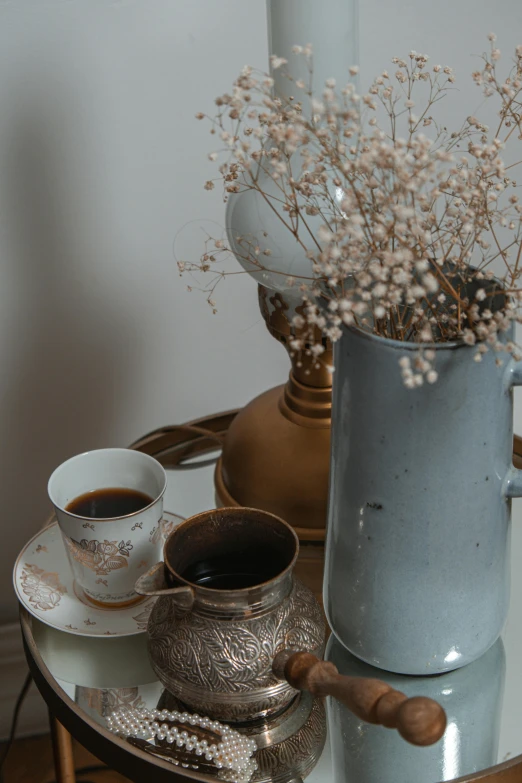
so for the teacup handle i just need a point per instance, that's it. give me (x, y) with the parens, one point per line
(153, 583)
(419, 720)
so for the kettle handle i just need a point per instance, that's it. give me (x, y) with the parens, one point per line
(419, 720)
(153, 583)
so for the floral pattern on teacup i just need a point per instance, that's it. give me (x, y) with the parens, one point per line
(43, 588)
(102, 557)
(163, 529)
(167, 528)
(156, 533)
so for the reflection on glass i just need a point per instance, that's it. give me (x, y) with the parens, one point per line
(472, 698)
(101, 702)
(94, 662)
(289, 745)
(450, 752)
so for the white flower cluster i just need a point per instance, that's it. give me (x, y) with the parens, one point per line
(411, 220)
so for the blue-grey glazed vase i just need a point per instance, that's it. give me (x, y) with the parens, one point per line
(472, 697)
(421, 481)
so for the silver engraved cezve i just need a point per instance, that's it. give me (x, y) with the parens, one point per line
(220, 664)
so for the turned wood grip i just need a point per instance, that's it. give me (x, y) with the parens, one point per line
(419, 720)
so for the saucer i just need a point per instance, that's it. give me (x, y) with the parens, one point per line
(44, 584)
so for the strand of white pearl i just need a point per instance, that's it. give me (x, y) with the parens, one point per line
(233, 752)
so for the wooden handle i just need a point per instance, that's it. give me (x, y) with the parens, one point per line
(419, 720)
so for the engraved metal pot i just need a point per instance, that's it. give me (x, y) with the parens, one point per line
(213, 648)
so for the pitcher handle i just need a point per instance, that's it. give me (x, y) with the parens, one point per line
(512, 487)
(515, 373)
(153, 583)
(419, 720)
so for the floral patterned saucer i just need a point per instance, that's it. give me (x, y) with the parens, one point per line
(45, 586)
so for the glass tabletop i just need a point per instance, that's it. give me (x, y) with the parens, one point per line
(483, 701)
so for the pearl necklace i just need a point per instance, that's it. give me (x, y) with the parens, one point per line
(233, 754)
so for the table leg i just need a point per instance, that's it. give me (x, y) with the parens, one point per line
(62, 752)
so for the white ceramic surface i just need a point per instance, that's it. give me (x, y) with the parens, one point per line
(45, 586)
(108, 555)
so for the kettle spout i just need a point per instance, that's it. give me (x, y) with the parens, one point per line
(153, 583)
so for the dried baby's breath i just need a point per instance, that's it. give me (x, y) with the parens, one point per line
(412, 216)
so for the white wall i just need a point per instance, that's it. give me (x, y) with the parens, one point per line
(101, 164)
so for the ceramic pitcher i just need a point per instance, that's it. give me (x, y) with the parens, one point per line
(417, 553)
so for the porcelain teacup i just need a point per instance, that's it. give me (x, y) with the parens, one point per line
(107, 555)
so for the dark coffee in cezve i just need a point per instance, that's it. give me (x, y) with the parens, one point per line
(108, 503)
(236, 571)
